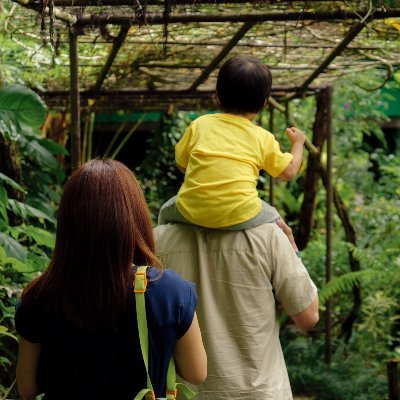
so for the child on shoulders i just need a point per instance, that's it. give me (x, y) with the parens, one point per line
(222, 155)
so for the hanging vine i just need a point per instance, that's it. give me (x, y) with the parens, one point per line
(168, 6)
(140, 10)
(47, 6)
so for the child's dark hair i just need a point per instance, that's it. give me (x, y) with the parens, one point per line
(243, 85)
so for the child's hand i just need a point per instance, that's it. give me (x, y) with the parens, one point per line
(295, 135)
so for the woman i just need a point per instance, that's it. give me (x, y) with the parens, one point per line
(77, 321)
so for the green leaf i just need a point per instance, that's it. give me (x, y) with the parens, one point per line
(3, 204)
(42, 155)
(53, 147)
(37, 262)
(24, 211)
(39, 235)
(4, 332)
(12, 247)
(11, 182)
(3, 195)
(8, 125)
(23, 104)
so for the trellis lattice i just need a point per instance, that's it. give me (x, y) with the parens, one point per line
(147, 54)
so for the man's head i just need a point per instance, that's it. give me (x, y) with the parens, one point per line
(243, 85)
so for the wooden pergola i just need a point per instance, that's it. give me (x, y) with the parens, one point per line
(146, 55)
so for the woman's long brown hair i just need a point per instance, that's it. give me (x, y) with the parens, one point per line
(103, 227)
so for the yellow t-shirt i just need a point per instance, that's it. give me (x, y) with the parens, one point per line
(222, 155)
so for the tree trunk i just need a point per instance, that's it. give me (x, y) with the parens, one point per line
(10, 166)
(311, 183)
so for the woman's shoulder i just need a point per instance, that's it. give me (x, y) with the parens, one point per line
(172, 298)
(168, 281)
(27, 320)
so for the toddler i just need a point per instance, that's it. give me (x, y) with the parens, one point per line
(222, 154)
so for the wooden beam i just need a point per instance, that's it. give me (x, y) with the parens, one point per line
(353, 32)
(85, 3)
(158, 18)
(62, 15)
(75, 101)
(134, 92)
(241, 44)
(118, 41)
(221, 55)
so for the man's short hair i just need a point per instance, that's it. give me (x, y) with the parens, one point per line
(243, 85)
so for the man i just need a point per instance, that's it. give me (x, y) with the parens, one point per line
(242, 277)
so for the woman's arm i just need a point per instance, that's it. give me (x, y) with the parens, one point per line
(28, 357)
(190, 356)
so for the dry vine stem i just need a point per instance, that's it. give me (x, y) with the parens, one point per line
(308, 144)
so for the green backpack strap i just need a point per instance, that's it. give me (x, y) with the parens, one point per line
(173, 387)
(139, 287)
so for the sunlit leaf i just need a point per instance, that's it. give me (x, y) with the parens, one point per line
(24, 104)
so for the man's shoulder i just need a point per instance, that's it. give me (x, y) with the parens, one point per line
(185, 236)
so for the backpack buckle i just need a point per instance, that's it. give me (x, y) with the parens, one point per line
(172, 393)
(139, 282)
(150, 395)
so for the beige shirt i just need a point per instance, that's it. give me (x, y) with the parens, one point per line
(241, 276)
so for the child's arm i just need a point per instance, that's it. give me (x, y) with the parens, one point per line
(183, 170)
(297, 138)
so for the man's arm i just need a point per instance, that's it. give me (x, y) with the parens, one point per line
(308, 318)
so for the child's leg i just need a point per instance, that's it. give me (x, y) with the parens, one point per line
(169, 213)
(268, 214)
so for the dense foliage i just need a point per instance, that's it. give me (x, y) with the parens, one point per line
(27, 207)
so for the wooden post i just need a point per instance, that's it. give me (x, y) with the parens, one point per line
(312, 174)
(75, 101)
(393, 382)
(329, 201)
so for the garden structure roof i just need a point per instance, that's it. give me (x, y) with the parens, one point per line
(149, 54)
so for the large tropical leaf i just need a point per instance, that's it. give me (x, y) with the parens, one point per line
(22, 105)
(39, 235)
(24, 211)
(42, 155)
(12, 247)
(11, 182)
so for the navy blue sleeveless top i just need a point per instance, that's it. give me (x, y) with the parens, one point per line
(108, 364)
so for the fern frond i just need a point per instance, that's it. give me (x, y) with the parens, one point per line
(344, 283)
(364, 258)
